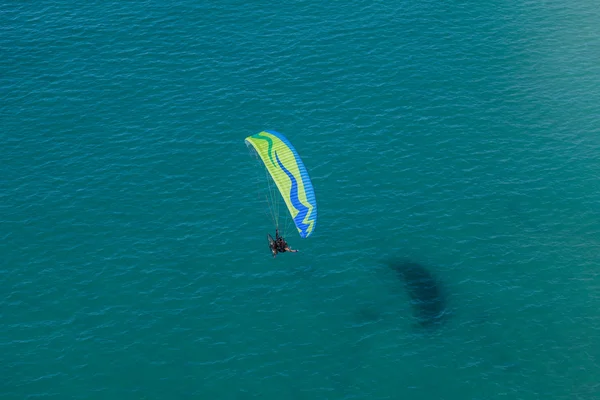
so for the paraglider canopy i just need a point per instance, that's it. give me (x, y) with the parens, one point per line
(286, 170)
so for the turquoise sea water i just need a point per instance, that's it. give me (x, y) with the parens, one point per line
(463, 136)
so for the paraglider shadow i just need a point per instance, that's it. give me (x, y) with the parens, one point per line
(427, 297)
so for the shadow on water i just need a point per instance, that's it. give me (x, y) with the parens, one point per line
(427, 297)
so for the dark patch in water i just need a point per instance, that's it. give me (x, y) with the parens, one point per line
(427, 298)
(368, 314)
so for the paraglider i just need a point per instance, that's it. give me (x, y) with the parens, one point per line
(279, 245)
(287, 181)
